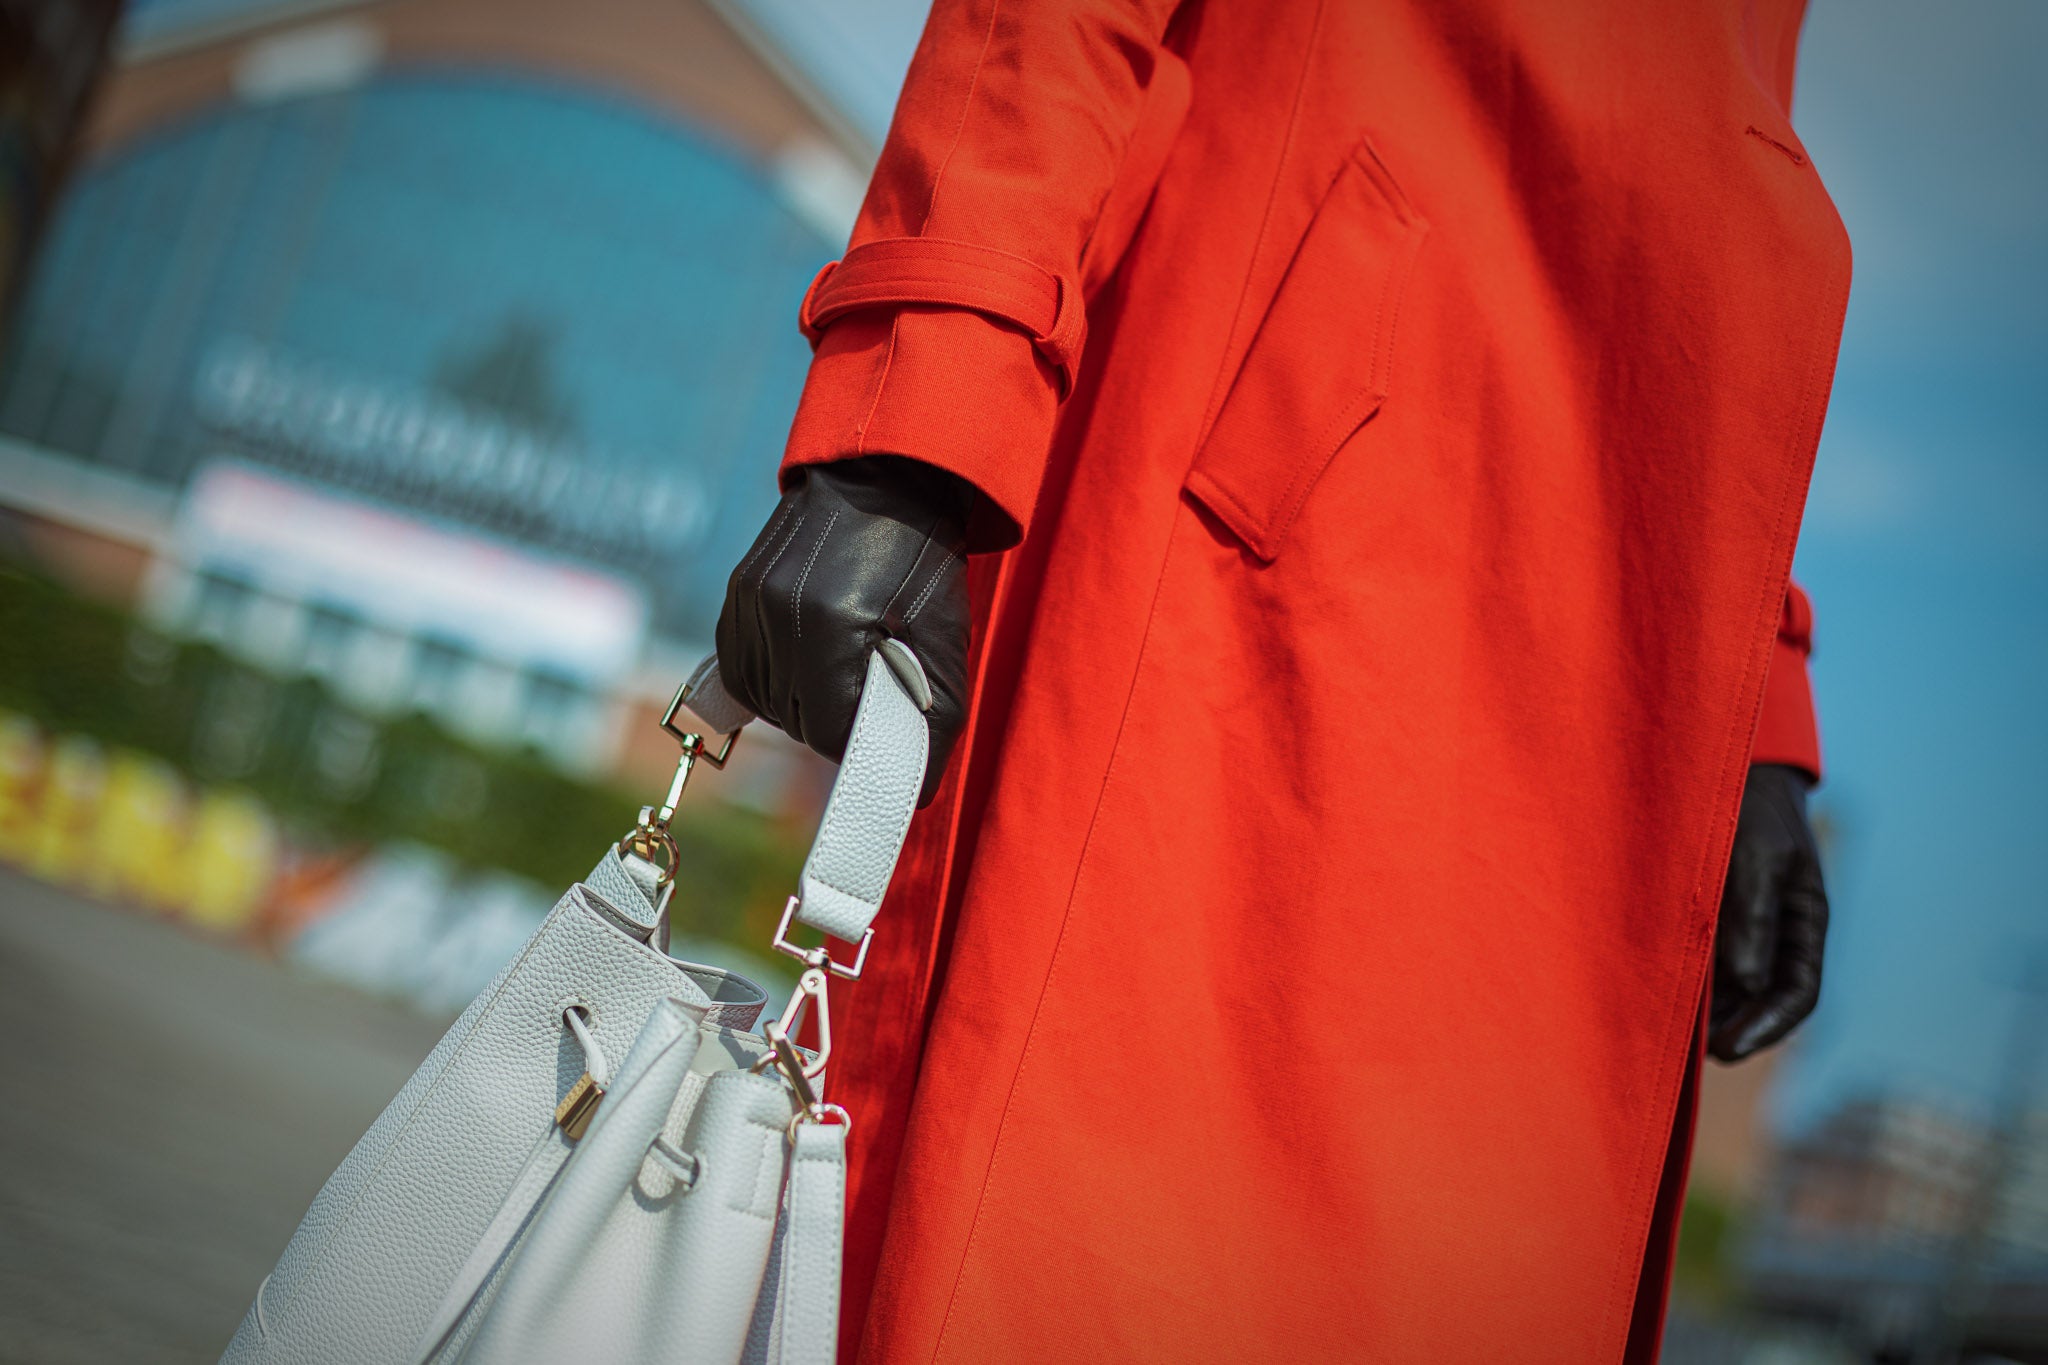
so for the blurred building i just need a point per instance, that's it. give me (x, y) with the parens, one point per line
(441, 349)
(1903, 1220)
(51, 56)
(1882, 1170)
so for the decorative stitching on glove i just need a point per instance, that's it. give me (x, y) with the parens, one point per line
(929, 584)
(797, 598)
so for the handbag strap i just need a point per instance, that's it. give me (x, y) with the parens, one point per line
(808, 1309)
(868, 813)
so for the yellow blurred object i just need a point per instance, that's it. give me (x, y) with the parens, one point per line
(130, 827)
(64, 845)
(144, 828)
(22, 756)
(231, 860)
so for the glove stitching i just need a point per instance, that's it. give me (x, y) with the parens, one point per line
(797, 597)
(760, 612)
(794, 531)
(930, 583)
(774, 527)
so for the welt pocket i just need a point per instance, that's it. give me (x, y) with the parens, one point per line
(1318, 365)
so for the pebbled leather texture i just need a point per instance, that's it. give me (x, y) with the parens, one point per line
(706, 694)
(399, 1220)
(465, 1227)
(630, 1262)
(799, 1320)
(868, 813)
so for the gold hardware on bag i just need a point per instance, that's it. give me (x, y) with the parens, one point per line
(649, 839)
(573, 1114)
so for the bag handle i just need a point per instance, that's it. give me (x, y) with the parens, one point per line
(868, 813)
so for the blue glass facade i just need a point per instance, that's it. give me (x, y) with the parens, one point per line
(564, 288)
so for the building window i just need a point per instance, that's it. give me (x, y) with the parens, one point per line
(549, 713)
(219, 607)
(330, 632)
(439, 667)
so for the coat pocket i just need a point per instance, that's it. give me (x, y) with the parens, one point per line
(1317, 367)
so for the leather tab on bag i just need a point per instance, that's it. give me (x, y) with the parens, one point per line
(931, 271)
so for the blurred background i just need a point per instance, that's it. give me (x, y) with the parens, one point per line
(386, 387)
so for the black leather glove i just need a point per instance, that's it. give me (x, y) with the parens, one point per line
(1774, 919)
(862, 549)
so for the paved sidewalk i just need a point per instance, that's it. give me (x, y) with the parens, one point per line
(168, 1107)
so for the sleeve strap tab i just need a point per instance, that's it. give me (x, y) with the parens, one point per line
(928, 271)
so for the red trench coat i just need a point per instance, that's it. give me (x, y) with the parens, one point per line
(1401, 412)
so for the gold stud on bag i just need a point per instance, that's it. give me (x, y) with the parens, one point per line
(521, 1219)
(573, 1114)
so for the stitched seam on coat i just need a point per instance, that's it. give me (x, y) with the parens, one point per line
(860, 433)
(1227, 372)
(1819, 371)
(1256, 535)
(936, 248)
(797, 597)
(966, 108)
(1379, 377)
(907, 289)
(1059, 943)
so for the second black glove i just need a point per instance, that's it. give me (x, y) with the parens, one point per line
(861, 550)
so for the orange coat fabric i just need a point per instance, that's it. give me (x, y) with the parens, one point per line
(1397, 416)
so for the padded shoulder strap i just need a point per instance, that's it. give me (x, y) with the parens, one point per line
(868, 813)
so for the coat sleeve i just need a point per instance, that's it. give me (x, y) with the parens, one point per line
(952, 328)
(1786, 731)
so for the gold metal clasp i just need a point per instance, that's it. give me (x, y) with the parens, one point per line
(649, 839)
(573, 1114)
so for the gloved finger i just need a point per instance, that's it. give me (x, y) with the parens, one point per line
(802, 641)
(1795, 983)
(1745, 945)
(934, 625)
(742, 633)
(1727, 1001)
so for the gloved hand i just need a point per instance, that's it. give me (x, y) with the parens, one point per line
(860, 550)
(1774, 919)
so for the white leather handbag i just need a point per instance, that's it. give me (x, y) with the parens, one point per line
(528, 1198)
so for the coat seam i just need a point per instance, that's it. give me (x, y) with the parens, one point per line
(1220, 387)
(1059, 942)
(860, 433)
(966, 109)
(1819, 371)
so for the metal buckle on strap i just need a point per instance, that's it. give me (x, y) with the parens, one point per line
(649, 839)
(785, 1058)
(817, 957)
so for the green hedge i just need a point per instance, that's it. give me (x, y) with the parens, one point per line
(334, 776)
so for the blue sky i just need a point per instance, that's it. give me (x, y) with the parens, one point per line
(1924, 546)
(1926, 540)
